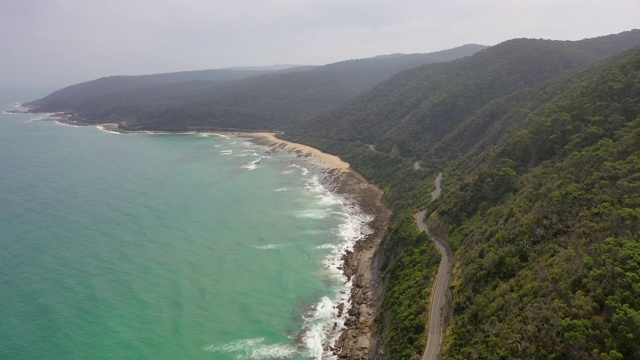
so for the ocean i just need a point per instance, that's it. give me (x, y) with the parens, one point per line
(157, 246)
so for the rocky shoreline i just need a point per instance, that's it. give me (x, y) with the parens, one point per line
(357, 340)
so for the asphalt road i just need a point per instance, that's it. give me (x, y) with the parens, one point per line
(438, 294)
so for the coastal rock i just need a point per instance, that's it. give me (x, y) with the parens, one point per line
(358, 340)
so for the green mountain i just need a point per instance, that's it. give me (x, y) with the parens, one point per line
(540, 156)
(231, 99)
(411, 112)
(547, 225)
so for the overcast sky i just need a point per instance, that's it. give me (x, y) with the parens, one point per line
(61, 42)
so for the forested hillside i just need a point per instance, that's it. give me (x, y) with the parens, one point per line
(231, 99)
(411, 112)
(547, 227)
(72, 96)
(541, 201)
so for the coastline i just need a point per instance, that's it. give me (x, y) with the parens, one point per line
(315, 156)
(356, 340)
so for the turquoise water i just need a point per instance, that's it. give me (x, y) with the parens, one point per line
(146, 246)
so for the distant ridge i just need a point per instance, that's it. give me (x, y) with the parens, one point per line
(214, 99)
(271, 67)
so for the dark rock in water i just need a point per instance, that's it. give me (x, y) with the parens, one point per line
(340, 309)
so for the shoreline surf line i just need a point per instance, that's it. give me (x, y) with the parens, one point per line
(264, 138)
(357, 339)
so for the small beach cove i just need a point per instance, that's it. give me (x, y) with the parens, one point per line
(330, 183)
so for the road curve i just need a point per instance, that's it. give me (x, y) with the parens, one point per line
(438, 293)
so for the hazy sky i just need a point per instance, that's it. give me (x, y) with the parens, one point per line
(61, 42)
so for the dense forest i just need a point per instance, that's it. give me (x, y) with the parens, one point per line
(539, 145)
(231, 99)
(546, 229)
(527, 141)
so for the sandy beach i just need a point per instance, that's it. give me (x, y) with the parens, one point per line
(314, 155)
(267, 139)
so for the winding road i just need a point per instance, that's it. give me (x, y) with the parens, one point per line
(440, 288)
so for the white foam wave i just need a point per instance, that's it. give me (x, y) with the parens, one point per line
(314, 213)
(254, 349)
(323, 196)
(354, 228)
(226, 152)
(271, 246)
(322, 325)
(222, 136)
(64, 124)
(326, 246)
(275, 351)
(203, 135)
(248, 153)
(251, 165)
(320, 322)
(303, 170)
(280, 189)
(287, 172)
(102, 128)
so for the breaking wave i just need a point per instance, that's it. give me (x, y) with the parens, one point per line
(324, 322)
(102, 128)
(271, 246)
(254, 349)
